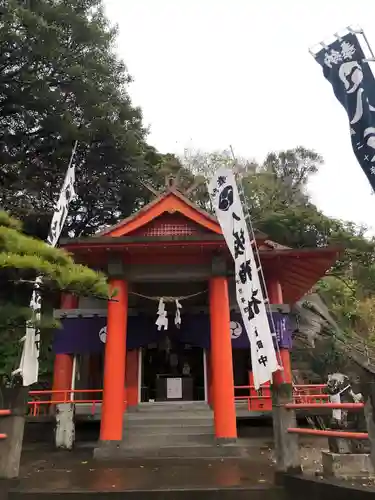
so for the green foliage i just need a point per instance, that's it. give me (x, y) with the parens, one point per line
(281, 208)
(22, 258)
(61, 81)
(328, 360)
(341, 296)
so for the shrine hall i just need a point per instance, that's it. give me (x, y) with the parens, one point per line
(174, 250)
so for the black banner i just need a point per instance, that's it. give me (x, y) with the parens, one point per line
(354, 86)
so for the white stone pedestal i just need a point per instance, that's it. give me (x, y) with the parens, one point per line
(65, 428)
(346, 464)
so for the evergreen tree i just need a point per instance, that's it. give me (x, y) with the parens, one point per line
(60, 81)
(22, 258)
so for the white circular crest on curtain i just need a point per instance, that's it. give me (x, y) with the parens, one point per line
(103, 334)
(235, 329)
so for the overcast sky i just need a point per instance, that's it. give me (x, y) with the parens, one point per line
(209, 73)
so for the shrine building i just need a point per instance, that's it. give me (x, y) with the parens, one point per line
(172, 249)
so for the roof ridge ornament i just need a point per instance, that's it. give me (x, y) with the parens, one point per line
(171, 182)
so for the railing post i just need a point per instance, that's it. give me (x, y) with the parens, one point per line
(286, 445)
(369, 410)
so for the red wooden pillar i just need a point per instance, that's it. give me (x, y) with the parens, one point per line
(62, 377)
(275, 295)
(63, 364)
(131, 377)
(69, 301)
(221, 360)
(114, 364)
(210, 395)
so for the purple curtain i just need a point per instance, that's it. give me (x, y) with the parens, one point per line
(83, 335)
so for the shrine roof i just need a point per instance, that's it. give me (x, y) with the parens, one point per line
(170, 229)
(170, 216)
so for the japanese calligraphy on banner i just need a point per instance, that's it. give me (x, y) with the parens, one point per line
(227, 204)
(66, 195)
(29, 364)
(354, 86)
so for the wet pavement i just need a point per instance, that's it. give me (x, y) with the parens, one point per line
(43, 470)
(77, 471)
(46, 470)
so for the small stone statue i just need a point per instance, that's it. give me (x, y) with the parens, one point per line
(340, 391)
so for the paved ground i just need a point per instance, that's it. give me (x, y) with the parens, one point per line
(46, 470)
(62, 471)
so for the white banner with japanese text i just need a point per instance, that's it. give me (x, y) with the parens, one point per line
(29, 364)
(227, 204)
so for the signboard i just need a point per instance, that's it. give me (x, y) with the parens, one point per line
(174, 388)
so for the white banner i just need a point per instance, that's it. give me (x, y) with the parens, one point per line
(29, 364)
(66, 195)
(227, 204)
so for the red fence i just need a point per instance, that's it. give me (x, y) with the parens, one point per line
(40, 402)
(261, 400)
(327, 432)
(4, 413)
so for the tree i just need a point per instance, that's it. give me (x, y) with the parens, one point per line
(60, 82)
(275, 192)
(281, 208)
(21, 259)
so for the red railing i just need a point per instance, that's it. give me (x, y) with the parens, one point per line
(261, 400)
(4, 413)
(327, 432)
(42, 401)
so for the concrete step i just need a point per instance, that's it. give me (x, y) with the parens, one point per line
(167, 420)
(169, 415)
(167, 425)
(171, 429)
(166, 439)
(187, 451)
(169, 407)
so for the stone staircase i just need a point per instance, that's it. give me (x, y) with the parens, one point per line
(168, 424)
(171, 430)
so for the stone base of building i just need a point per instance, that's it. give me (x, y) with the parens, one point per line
(344, 465)
(118, 451)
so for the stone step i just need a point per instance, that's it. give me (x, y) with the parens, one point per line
(167, 420)
(170, 415)
(166, 439)
(143, 429)
(188, 451)
(169, 407)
